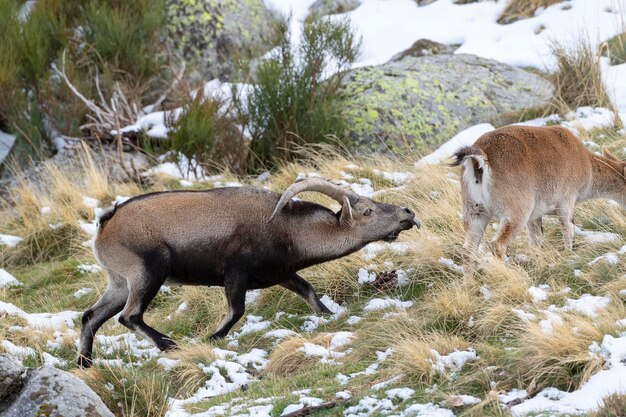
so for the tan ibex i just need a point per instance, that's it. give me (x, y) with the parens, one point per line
(520, 173)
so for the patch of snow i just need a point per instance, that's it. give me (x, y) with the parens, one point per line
(608, 258)
(587, 304)
(280, 333)
(523, 315)
(451, 264)
(465, 137)
(400, 393)
(537, 294)
(8, 280)
(7, 140)
(334, 308)
(82, 292)
(41, 320)
(383, 384)
(167, 363)
(251, 297)
(352, 320)
(89, 268)
(370, 251)
(90, 202)
(364, 276)
(22, 352)
(592, 236)
(10, 240)
(384, 303)
(514, 394)
(397, 178)
(254, 324)
(465, 399)
(453, 361)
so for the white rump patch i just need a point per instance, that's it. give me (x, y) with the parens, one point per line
(477, 192)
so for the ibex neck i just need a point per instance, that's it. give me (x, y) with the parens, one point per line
(607, 178)
(322, 239)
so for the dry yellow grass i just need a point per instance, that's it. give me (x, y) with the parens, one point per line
(288, 358)
(186, 375)
(560, 356)
(520, 9)
(413, 354)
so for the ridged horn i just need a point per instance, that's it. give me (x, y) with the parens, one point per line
(312, 184)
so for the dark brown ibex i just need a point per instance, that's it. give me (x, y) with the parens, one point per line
(239, 238)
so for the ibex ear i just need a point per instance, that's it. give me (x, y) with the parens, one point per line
(346, 218)
(609, 155)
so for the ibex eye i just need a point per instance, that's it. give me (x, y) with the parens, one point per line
(367, 212)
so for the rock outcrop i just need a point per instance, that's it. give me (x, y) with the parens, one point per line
(45, 391)
(420, 102)
(212, 33)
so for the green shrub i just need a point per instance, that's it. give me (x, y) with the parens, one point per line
(106, 44)
(125, 36)
(291, 103)
(205, 134)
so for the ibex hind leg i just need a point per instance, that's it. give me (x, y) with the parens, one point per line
(143, 286)
(535, 232)
(565, 211)
(509, 228)
(474, 222)
(111, 303)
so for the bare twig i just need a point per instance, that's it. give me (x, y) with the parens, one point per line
(305, 411)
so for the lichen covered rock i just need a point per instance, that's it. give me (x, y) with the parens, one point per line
(421, 102)
(12, 378)
(55, 393)
(211, 34)
(326, 7)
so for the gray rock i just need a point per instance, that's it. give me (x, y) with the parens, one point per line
(13, 376)
(52, 392)
(421, 102)
(326, 7)
(424, 47)
(214, 34)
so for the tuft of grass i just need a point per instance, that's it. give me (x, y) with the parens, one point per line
(187, 376)
(287, 358)
(578, 79)
(560, 357)
(521, 9)
(612, 406)
(413, 354)
(136, 391)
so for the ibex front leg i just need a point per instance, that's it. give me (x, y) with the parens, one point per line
(305, 290)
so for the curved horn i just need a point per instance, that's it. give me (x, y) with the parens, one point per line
(312, 184)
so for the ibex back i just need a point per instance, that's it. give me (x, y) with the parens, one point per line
(519, 173)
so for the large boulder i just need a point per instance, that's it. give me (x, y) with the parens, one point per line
(420, 102)
(212, 33)
(45, 391)
(325, 7)
(13, 376)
